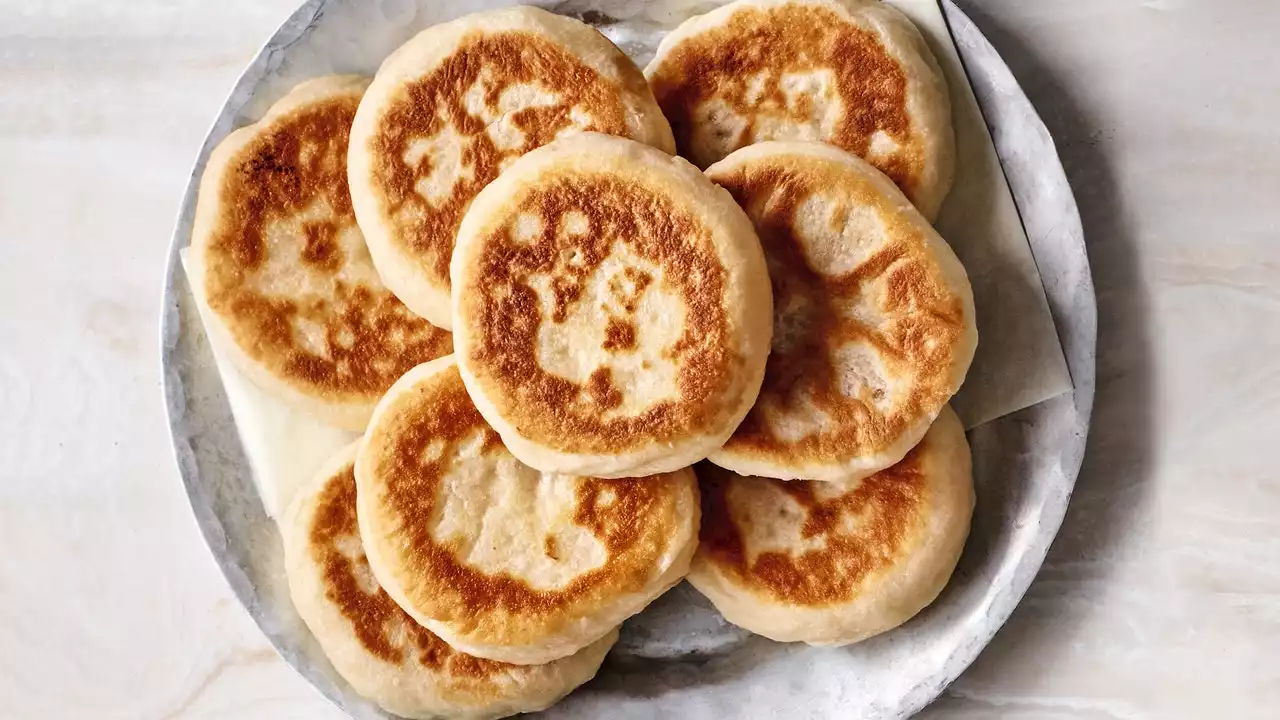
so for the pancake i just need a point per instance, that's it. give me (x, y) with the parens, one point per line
(454, 106)
(278, 260)
(873, 316)
(853, 73)
(380, 650)
(498, 559)
(830, 563)
(612, 309)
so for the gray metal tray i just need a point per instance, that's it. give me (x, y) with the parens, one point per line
(678, 658)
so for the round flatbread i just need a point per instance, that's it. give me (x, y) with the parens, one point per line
(376, 646)
(853, 73)
(830, 563)
(459, 102)
(498, 559)
(612, 309)
(873, 316)
(280, 264)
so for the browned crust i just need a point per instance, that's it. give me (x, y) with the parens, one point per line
(429, 105)
(293, 162)
(635, 519)
(506, 316)
(889, 508)
(385, 630)
(718, 62)
(926, 319)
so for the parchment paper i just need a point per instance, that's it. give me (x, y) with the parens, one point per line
(285, 447)
(1019, 361)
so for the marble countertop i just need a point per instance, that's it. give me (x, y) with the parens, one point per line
(1160, 598)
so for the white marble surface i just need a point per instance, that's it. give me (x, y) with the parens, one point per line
(1160, 599)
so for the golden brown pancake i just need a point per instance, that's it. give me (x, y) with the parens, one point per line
(455, 105)
(830, 563)
(853, 73)
(280, 263)
(612, 309)
(498, 559)
(873, 316)
(379, 649)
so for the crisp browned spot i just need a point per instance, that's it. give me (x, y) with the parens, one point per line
(923, 319)
(506, 313)
(602, 391)
(886, 510)
(375, 618)
(321, 250)
(628, 286)
(626, 289)
(367, 338)
(619, 335)
(633, 518)
(762, 45)
(550, 547)
(437, 102)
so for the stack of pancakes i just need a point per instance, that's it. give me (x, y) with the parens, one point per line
(488, 260)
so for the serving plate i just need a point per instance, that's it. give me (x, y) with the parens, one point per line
(679, 658)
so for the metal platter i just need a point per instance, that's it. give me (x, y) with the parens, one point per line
(678, 658)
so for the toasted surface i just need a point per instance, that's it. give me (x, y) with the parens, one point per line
(284, 270)
(873, 316)
(500, 560)
(612, 309)
(853, 73)
(457, 103)
(830, 563)
(376, 646)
